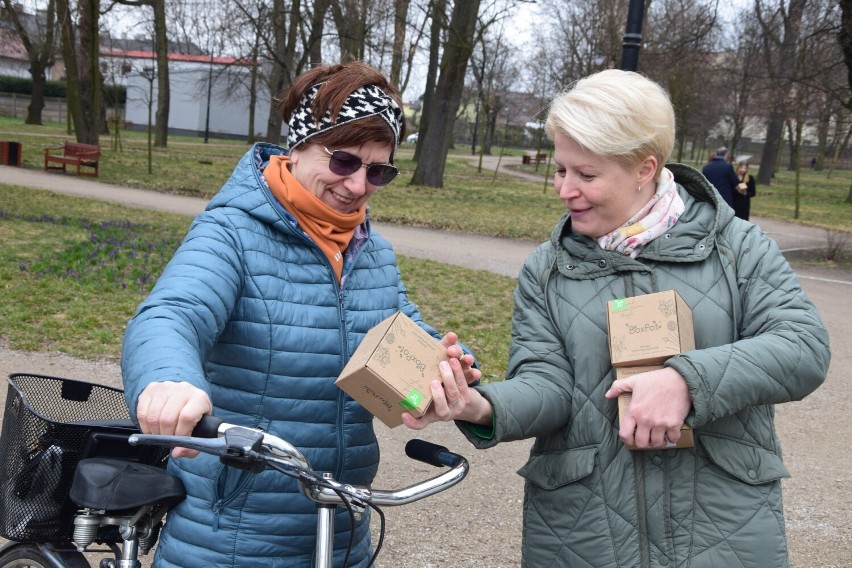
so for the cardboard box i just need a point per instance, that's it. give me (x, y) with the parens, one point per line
(647, 330)
(687, 438)
(391, 370)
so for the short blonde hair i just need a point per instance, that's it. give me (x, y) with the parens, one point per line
(621, 115)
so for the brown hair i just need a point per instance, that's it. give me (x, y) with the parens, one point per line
(339, 80)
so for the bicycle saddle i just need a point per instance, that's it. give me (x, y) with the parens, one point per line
(114, 485)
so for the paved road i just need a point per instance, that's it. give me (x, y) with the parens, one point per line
(478, 523)
(503, 256)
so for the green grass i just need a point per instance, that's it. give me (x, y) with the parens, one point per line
(187, 166)
(471, 201)
(822, 201)
(72, 271)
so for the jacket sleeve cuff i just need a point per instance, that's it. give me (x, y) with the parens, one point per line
(480, 431)
(700, 413)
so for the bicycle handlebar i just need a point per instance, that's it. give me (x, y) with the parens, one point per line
(254, 450)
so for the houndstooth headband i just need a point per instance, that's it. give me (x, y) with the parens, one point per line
(364, 102)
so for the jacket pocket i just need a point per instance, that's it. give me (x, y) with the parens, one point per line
(750, 464)
(553, 470)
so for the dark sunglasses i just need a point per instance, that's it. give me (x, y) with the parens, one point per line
(344, 164)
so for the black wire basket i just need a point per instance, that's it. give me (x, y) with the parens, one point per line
(49, 425)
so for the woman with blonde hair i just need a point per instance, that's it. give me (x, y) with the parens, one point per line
(744, 191)
(636, 225)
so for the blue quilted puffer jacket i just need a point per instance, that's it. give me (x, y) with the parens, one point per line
(250, 311)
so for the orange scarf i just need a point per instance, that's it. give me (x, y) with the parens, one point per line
(331, 231)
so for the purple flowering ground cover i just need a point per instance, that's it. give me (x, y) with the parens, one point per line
(72, 270)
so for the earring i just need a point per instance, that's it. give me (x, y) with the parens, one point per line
(639, 189)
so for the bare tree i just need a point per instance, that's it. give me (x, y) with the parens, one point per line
(494, 71)
(350, 19)
(845, 39)
(781, 31)
(587, 35)
(161, 51)
(678, 30)
(741, 75)
(286, 24)
(81, 52)
(436, 145)
(40, 36)
(400, 22)
(821, 74)
(438, 13)
(313, 38)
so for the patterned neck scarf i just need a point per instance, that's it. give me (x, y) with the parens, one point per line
(654, 219)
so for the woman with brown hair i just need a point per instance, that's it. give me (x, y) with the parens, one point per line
(256, 315)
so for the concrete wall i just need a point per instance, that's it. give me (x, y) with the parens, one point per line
(229, 99)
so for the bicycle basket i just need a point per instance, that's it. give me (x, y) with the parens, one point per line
(49, 425)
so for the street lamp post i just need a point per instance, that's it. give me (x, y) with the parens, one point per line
(149, 73)
(632, 36)
(209, 90)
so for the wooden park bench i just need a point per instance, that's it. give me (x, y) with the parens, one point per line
(534, 158)
(73, 154)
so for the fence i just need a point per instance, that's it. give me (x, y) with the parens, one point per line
(55, 108)
(15, 106)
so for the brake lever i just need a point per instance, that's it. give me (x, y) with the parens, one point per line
(238, 447)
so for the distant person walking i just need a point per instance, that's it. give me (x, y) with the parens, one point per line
(721, 174)
(746, 189)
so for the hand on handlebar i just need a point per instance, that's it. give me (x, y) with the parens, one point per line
(453, 399)
(172, 409)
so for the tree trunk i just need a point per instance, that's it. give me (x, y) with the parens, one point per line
(783, 75)
(161, 47)
(41, 52)
(350, 21)
(88, 129)
(37, 96)
(845, 38)
(278, 76)
(439, 9)
(430, 168)
(400, 19)
(793, 142)
(255, 49)
(69, 54)
(314, 42)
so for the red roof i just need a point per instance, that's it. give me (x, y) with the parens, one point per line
(136, 54)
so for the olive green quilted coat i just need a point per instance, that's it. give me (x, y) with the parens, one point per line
(590, 502)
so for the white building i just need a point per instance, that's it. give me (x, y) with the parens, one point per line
(197, 83)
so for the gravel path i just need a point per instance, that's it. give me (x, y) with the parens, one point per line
(478, 523)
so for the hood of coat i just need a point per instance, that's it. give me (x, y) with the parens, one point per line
(692, 239)
(248, 191)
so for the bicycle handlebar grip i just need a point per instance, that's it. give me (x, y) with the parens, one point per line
(207, 427)
(430, 453)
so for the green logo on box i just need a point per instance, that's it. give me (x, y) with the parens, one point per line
(619, 305)
(412, 401)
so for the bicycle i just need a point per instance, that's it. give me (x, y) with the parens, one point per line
(64, 440)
